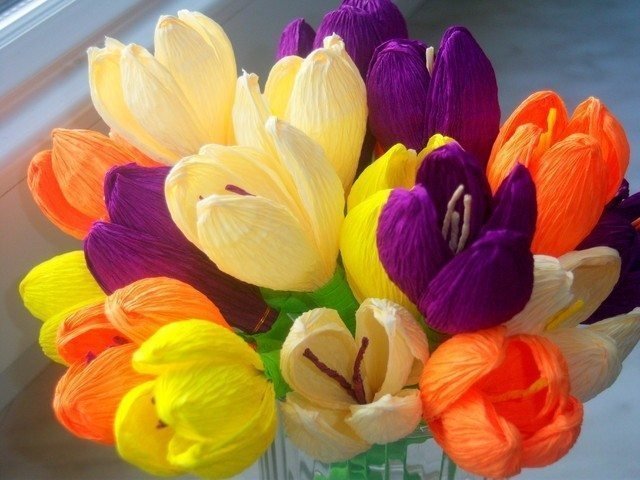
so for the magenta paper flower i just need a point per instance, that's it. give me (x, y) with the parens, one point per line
(141, 241)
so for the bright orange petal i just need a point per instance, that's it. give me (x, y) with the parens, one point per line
(87, 332)
(477, 439)
(519, 148)
(553, 441)
(139, 309)
(456, 366)
(593, 118)
(537, 110)
(571, 185)
(88, 394)
(49, 198)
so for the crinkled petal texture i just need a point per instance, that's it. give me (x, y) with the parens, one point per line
(210, 409)
(322, 95)
(324, 416)
(577, 164)
(392, 22)
(498, 403)
(229, 200)
(296, 39)
(167, 104)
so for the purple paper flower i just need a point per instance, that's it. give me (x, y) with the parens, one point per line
(463, 258)
(141, 241)
(296, 39)
(617, 228)
(461, 99)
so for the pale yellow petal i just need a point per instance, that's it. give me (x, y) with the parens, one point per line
(390, 418)
(60, 284)
(259, 242)
(107, 95)
(200, 72)
(551, 295)
(323, 333)
(396, 168)
(396, 343)
(595, 273)
(592, 359)
(48, 337)
(624, 330)
(277, 90)
(157, 102)
(320, 432)
(319, 191)
(189, 343)
(328, 102)
(359, 249)
(138, 439)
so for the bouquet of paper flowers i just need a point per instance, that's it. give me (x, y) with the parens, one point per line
(357, 249)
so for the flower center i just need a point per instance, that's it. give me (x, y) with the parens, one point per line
(355, 388)
(451, 229)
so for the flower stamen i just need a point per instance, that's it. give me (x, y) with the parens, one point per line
(466, 223)
(451, 206)
(330, 372)
(358, 384)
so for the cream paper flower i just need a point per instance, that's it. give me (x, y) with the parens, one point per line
(323, 95)
(566, 291)
(170, 103)
(351, 393)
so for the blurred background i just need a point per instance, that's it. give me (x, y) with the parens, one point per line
(579, 49)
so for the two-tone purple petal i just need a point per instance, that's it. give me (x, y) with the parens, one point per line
(388, 15)
(296, 39)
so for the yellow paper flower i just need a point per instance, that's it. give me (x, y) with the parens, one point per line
(269, 219)
(210, 410)
(54, 289)
(351, 393)
(566, 291)
(171, 103)
(323, 95)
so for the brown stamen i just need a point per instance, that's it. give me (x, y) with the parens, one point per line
(330, 372)
(118, 340)
(90, 357)
(236, 189)
(358, 385)
(161, 424)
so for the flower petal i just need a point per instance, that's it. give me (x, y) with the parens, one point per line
(366, 275)
(87, 395)
(320, 432)
(141, 308)
(277, 90)
(397, 346)
(397, 86)
(551, 295)
(624, 297)
(387, 419)
(624, 330)
(138, 439)
(60, 284)
(463, 94)
(593, 118)
(483, 286)
(47, 194)
(323, 333)
(296, 39)
(392, 22)
(329, 103)
(203, 66)
(118, 256)
(565, 214)
(595, 273)
(107, 95)
(410, 242)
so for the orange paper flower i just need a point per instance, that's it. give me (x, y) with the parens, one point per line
(66, 181)
(497, 403)
(577, 164)
(98, 341)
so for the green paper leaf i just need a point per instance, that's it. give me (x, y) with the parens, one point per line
(271, 362)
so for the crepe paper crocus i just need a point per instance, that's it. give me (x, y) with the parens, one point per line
(567, 157)
(98, 341)
(54, 289)
(413, 95)
(566, 292)
(66, 181)
(296, 39)
(269, 219)
(171, 103)
(142, 241)
(497, 403)
(208, 409)
(323, 95)
(349, 394)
